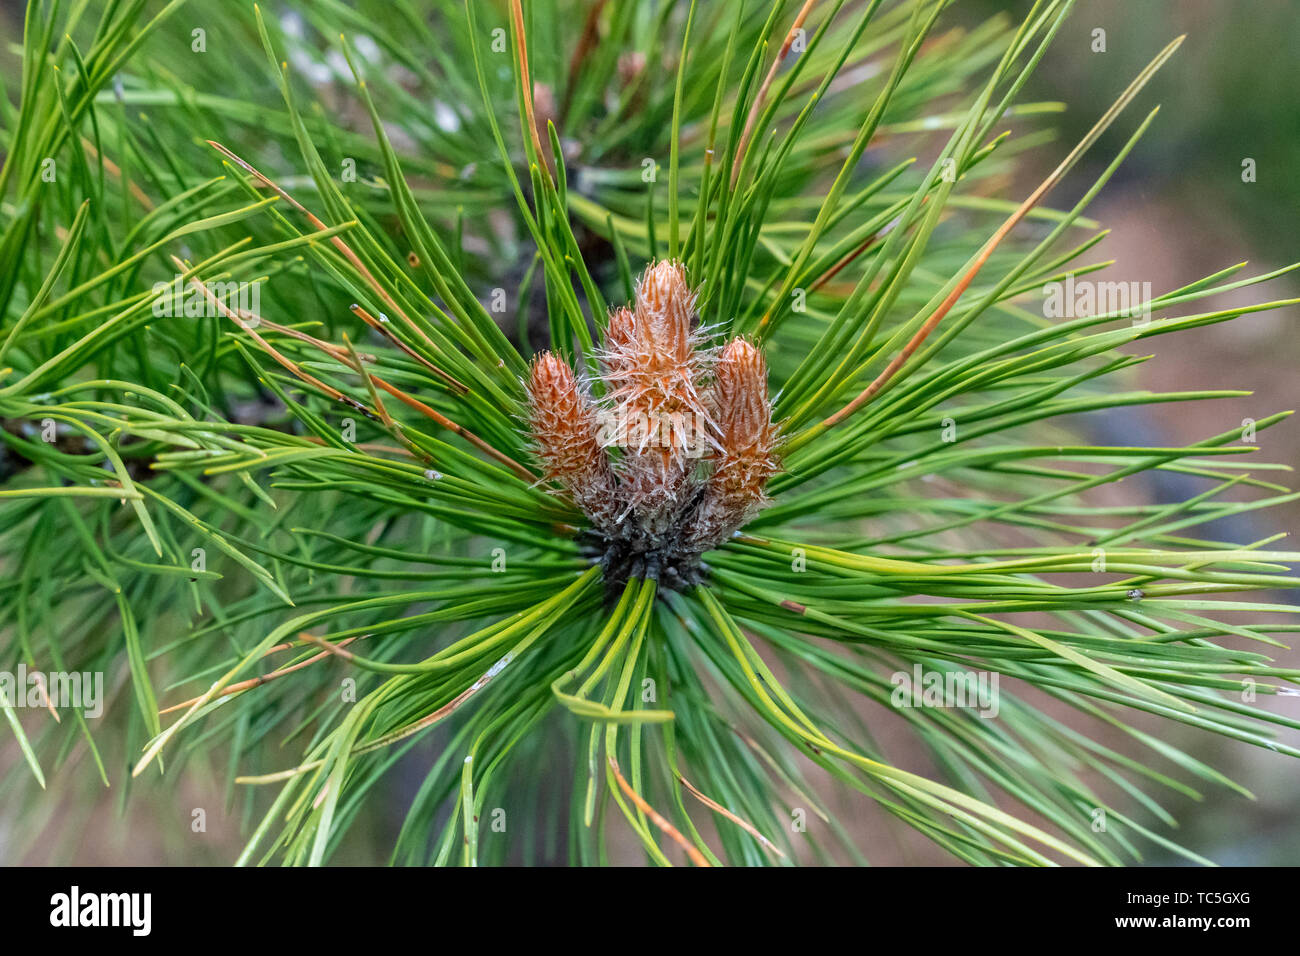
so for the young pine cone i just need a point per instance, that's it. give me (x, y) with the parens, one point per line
(563, 423)
(652, 358)
(747, 438)
(653, 364)
(690, 462)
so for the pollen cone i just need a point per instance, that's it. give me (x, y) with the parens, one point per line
(747, 437)
(652, 366)
(565, 431)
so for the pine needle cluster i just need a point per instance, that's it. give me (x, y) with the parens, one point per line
(321, 443)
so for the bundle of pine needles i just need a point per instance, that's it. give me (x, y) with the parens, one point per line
(341, 435)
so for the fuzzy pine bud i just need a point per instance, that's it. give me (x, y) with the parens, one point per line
(676, 454)
(652, 365)
(651, 359)
(564, 428)
(747, 437)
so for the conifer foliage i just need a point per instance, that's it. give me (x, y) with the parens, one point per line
(597, 414)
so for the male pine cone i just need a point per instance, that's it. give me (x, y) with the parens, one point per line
(674, 457)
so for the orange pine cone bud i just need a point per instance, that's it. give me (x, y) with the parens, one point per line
(565, 431)
(689, 463)
(666, 307)
(652, 363)
(740, 397)
(747, 437)
(620, 344)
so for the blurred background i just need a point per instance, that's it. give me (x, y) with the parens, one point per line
(1178, 210)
